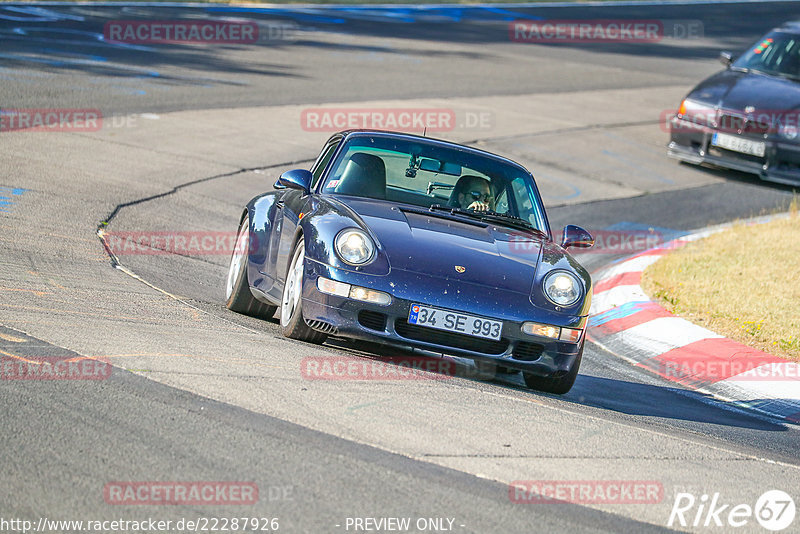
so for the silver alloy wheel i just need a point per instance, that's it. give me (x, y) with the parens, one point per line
(239, 253)
(293, 290)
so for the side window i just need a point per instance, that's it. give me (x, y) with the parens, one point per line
(322, 162)
(522, 198)
(501, 204)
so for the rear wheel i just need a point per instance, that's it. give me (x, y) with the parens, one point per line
(560, 385)
(237, 289)
(292, 323)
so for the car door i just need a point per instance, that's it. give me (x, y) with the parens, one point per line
(289, 207)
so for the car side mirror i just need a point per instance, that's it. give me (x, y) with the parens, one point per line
(575, 236)
(726, 58)
(296, 179)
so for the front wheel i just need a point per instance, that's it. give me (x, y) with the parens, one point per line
(292, 323)
(560, 385)
(237, 290)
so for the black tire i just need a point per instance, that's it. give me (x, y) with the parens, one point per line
(237, 288)
(560, 385)
(293, 325)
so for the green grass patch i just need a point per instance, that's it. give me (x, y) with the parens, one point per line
(742, 283)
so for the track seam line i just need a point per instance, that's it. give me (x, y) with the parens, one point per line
(116, 264)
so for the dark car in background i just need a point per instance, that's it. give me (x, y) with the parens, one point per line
(746, 117)
(407, 240)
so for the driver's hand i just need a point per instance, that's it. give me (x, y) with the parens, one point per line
(479, 206)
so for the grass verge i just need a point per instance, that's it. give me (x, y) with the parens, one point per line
(742, 283)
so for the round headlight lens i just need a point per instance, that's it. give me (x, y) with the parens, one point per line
(788, 131)
(562, 288)
(354, 246)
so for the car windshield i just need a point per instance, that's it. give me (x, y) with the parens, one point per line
(778, 53)
(416, 172)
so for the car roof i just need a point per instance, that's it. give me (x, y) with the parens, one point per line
(348, 134)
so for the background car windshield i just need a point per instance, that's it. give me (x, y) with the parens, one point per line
(777, 53)
(425, 174)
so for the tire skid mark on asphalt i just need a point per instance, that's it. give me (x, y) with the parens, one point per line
(12, 339)
(248, 363)
(50, 280)
(115, 263)
(74, 312)
(584, 457)
(36, 292)
(39, 362)
(564, 130)
(663, 435)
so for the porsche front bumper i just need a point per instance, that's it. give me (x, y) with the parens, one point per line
(337, 315)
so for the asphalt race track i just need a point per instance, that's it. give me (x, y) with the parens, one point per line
(190, 132)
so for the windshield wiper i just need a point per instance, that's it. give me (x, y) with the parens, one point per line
(491, 216)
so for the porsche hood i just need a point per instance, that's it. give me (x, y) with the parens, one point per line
(437, 244)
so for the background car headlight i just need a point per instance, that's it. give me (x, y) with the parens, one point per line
(788, 131)
(354, 246)
(562, 288)
(698, 113)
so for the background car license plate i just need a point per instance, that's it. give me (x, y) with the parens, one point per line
(739, 144)
(451, 321)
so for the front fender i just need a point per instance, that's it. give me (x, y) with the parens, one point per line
(553, 257)
(320, 225)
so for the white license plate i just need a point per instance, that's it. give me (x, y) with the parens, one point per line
(739, 144)
(451, 321)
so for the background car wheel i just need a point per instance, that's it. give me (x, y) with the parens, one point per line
(237, 289)
(292, 323)
(560, 385)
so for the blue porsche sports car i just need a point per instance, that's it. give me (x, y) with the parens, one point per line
(418, 242)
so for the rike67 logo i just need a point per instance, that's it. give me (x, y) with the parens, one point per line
(774, 510)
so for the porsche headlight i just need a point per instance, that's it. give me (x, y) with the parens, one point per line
(354, 246)
(562, 288)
